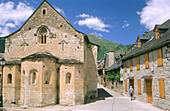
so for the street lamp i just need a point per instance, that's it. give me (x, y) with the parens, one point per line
(2, 63)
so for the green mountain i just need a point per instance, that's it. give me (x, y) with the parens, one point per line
(106, 45)
(2, 45)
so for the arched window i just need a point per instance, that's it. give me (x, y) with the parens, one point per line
(68, 78)
(44, 11)
(9, 79)
(34, 78)
(42, 35)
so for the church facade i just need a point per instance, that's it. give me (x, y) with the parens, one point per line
(49, 62)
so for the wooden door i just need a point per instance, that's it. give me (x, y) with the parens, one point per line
(132, 84)
(149, 91)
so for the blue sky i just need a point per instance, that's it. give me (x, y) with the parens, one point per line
(120, 21)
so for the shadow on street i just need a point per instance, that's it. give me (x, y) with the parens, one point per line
(102, 95)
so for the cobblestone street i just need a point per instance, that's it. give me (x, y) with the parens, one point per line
(108, 101)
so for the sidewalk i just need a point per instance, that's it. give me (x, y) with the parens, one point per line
(108, 101)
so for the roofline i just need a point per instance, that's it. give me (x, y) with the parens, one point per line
(34, 13)
(153, 48)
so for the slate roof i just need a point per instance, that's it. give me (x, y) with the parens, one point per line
(150, 45)
(165, 25)
(46, 54)
(43, 54)
(13, 62)
(116, 65)
(70, 61)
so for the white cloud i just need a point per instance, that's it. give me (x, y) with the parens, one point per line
(92, 22)
(61, 11)
(83, 15)
(155, 12)
(12, 16)
(125, 25)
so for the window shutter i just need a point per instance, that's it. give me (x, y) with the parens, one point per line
(139, 86)
(131, 67)
(161, 88)
(125, 66)
(126, 85)
(138, 63)
(159, 57)
(146, 60)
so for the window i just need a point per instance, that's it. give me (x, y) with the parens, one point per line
(131, 65)
(147, 60)
(62, 46)
(126, 85)
(68, 78)
(161, 88)
(42, 35)
(9, 80)
(139, 86)
(125, 66)
(138, 63)
(159, 57)
(44, 11)
(34, 78)
(47, 78)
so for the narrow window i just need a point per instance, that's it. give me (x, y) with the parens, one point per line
(161, 88)
(44, 39)
(9, 81)
(44, 11)
(47, 79)
(147, 60)
(159, 57)
(139, 86)
(126, 85)
(125, 66)
(138, 63)
(41, 39)
(34, 78)
(131, 65)
(68, 78)
(62, 46)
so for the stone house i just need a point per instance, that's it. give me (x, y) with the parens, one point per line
(104, 63)
(110, 63)
(147, 67)
(49, 62)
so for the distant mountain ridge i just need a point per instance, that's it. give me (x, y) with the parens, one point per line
(106, 45)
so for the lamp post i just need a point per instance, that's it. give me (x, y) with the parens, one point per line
(2, 63)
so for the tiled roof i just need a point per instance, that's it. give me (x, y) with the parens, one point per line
(150, 45)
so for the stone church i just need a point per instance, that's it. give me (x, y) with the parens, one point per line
(49, 62)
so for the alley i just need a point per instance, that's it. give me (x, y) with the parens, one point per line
(108, 101)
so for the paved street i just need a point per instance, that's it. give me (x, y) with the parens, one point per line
(108, 101)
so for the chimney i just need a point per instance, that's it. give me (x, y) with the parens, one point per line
(111, 57)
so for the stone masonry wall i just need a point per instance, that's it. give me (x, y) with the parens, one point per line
(156, 72)
(11, 91)
(59, 31)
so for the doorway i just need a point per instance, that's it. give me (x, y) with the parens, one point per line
(149, 90)
(131, 83)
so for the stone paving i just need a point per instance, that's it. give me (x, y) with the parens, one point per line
(108, 101)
